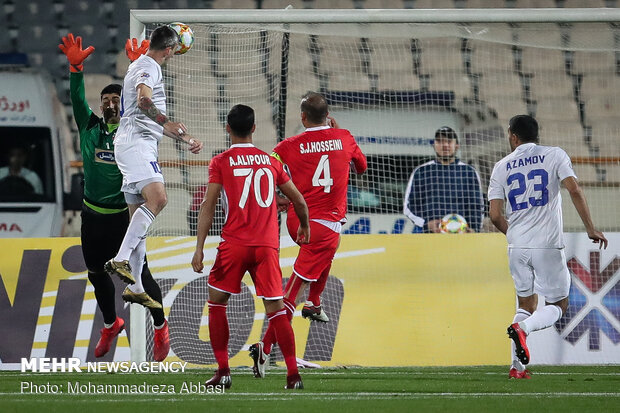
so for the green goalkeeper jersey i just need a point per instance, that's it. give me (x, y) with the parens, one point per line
(102, 178)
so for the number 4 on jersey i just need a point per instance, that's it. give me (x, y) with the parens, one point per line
(323, 169)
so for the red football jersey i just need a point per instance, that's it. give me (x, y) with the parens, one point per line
(248, 177)
(318, 161)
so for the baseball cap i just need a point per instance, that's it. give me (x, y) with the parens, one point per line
(447, 132)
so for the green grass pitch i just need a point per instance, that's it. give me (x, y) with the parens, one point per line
(330, 390)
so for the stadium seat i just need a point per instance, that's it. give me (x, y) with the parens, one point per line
(568, 135)
(334, 4)
(397, 81)
(383, 4)
(486, 55)
(432, 4)
(529, 4)
(281, 4)
(582, 36)
(552, 35)
(601, 108)
(440, 54)
(504, 84)
(38, 12)
(605, 136)
(506, 106)
(551, 84)
(536, 60)
(595, 85)
(590, 63)
(583, 3)
(556, 109)
(37, 38)
(458, 82)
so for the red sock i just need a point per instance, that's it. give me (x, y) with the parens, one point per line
(285, 338)
(317, 287)
(270, 334)
(219, 333)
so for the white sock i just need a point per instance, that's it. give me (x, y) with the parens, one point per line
(519, 316)
(136, 231)
(543, 318)
(136, 261)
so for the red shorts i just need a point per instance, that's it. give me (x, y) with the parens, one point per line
(231, 263)
(315, 257)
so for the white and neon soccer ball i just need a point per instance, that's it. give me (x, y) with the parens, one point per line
(186, 37)
(453, 224)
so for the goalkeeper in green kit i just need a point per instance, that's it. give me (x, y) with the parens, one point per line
(105, 216)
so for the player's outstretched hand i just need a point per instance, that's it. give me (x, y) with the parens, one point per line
(194, 144)
(433, 226)
(303, 235)
(332, 122)
(72, 48)
(197, 264)
(597, 237)
(133, 51)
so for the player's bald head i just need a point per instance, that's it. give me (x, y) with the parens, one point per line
(314, 106)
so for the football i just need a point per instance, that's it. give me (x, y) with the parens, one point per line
(453, 224)
(186, 37)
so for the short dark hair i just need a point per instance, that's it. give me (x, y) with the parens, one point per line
(525, 127)
(163, 37)
(446, 132)
(111, 88)
(241, 120)
(314, 106)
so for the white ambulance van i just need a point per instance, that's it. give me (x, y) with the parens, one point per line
(33, 167)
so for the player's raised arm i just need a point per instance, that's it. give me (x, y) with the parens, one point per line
(581, 205)
(174, 130)
(301, 210)
(205, 220)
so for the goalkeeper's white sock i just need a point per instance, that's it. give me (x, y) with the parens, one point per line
(136, 261)
(519, 316)
(136, 231)
(543, 318)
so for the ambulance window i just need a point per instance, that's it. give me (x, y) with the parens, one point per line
(26, 165)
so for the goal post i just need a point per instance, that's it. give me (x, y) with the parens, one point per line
(392, 77)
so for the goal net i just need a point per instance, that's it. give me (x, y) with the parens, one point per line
(392, 85)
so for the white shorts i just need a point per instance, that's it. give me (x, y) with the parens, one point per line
(540, 271)
(137, 162)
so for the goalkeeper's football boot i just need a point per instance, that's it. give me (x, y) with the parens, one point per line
(519, 337)
(294, 382)
(261, 360)
(220, 379)
(161, 343)
(516, 374)
(314, 313)
(121, 269)
(140, 298)
(107, 336)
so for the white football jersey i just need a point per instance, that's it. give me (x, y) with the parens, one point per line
(528, 180)
(134, 124)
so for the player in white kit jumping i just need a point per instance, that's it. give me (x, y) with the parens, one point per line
(143, 122)
(529, 180)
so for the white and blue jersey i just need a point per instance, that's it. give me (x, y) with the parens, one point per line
(135, 124)
(435, 190)
(528, 180)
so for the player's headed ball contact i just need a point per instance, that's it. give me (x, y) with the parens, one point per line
(186, 37)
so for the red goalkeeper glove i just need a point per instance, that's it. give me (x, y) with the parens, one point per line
(72, 48)
(132, 49)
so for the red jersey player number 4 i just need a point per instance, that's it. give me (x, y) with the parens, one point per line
(319, 160)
